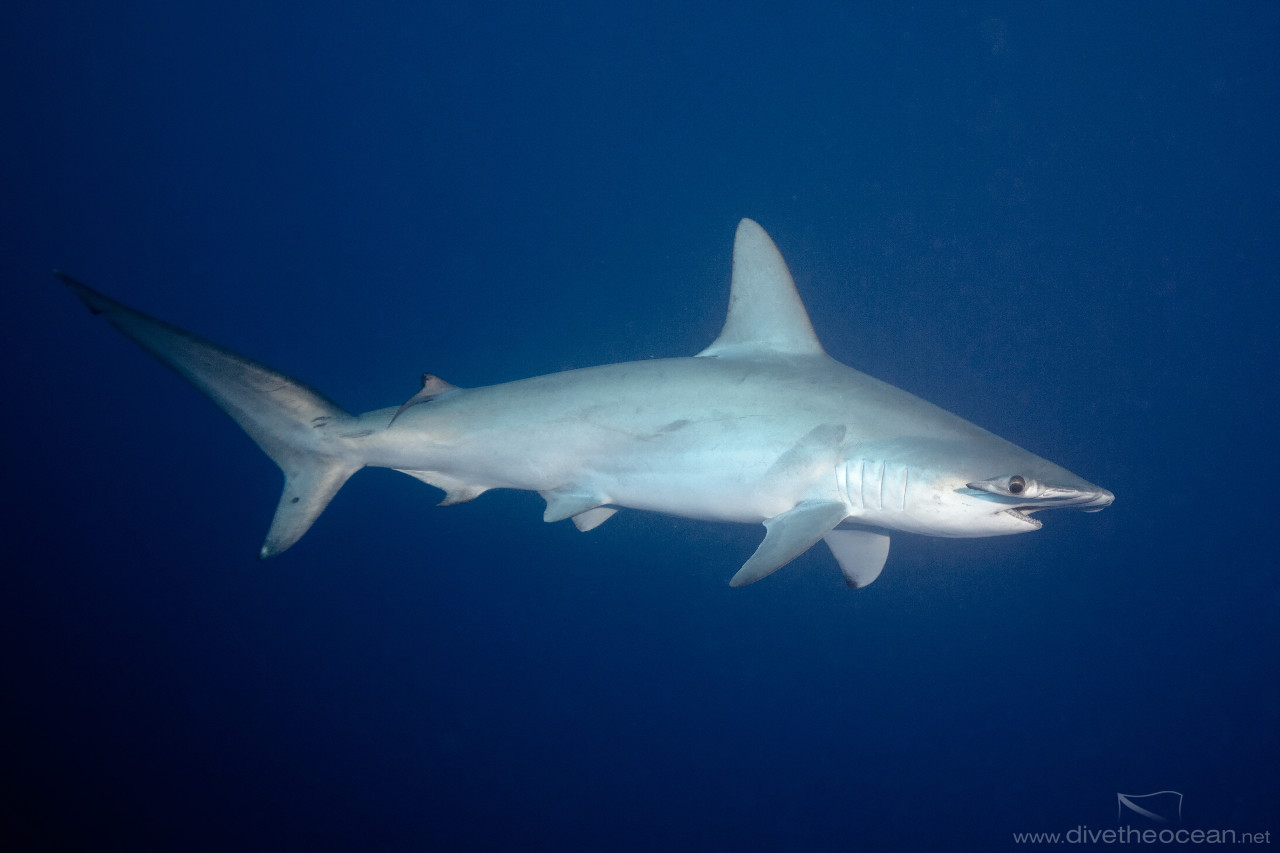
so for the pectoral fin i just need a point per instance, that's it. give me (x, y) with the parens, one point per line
(789, 535)
(860, 553)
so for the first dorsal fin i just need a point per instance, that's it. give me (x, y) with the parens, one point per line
(766, 316)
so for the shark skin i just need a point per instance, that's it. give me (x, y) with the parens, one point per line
(761, 427)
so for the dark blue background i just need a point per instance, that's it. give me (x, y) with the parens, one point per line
(1057, 220)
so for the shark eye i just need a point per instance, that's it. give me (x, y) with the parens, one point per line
(1011, 486)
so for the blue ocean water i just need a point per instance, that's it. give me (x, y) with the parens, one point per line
(1057, 220)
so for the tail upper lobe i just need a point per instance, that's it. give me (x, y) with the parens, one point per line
(289, 420)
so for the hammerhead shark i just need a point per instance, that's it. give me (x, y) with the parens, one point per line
(762, 426)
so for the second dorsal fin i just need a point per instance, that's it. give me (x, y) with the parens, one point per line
(432, 386)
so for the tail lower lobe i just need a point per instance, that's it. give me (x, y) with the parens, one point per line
(285, 417)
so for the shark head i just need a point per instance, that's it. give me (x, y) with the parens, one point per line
(1017, 496)
(1007, 503)
(961, 489)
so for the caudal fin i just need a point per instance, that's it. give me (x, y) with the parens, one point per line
(286, 418)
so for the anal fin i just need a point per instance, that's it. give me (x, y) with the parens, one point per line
(789, 535)
(570, 503)
(593, 518)
(455, 491)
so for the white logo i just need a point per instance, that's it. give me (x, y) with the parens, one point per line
(1162, 806)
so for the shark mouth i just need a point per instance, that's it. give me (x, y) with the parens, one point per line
(1023, 513)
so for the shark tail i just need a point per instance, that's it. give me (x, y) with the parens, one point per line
(286, 418)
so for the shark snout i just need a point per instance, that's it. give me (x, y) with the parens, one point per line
(1100, 500)
(1093, 499)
